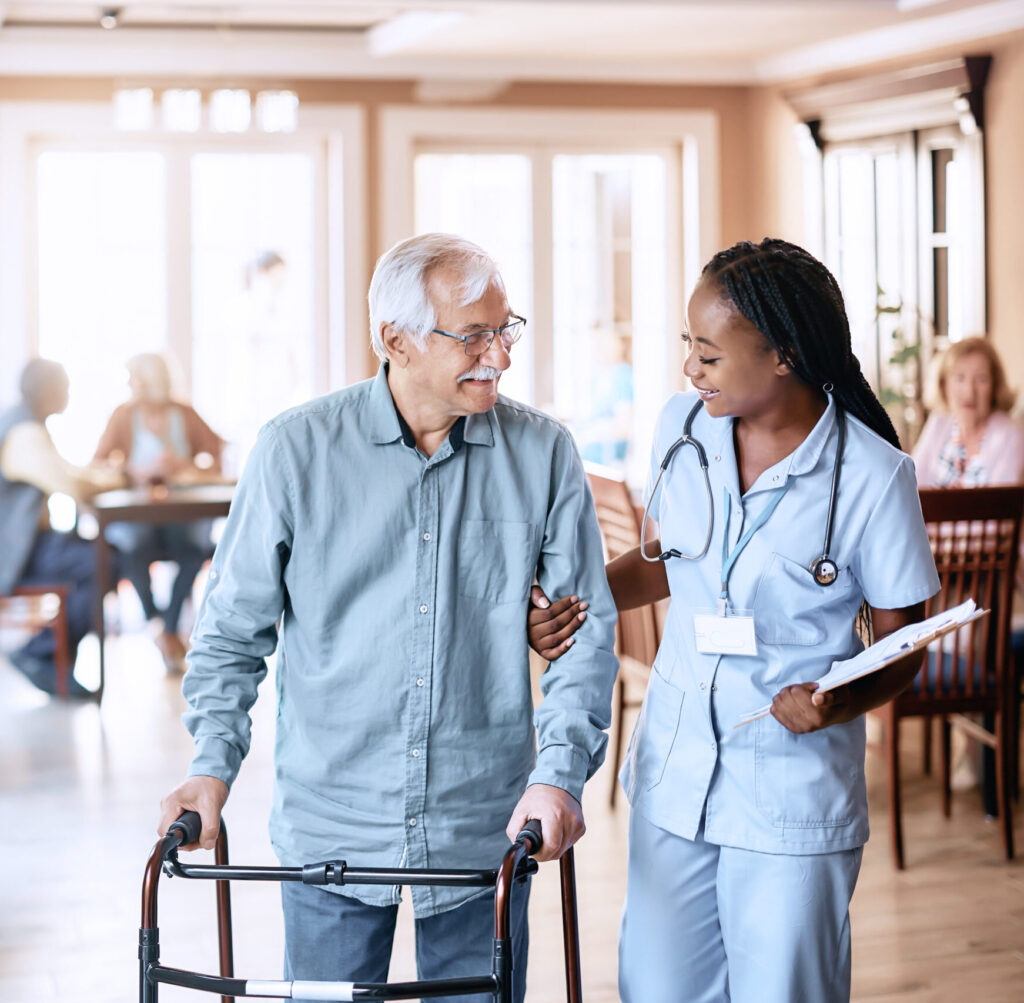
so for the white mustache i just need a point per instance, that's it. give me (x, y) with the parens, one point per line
(481, 373)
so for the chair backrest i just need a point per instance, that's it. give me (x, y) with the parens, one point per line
(974, 535)
(620, 531)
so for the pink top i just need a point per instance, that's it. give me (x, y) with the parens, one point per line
(1001, 454)
(1000, 459)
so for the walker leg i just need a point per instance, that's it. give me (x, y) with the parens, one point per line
(570, 929)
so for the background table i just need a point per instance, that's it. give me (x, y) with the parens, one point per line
(156, 507)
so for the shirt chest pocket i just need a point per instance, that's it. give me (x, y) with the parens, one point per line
(790, 607)
(497, 560)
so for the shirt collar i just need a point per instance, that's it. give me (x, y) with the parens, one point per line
(386, 424)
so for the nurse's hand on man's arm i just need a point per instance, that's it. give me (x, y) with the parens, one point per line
(560, 816)
(550, 625)
(205, 795)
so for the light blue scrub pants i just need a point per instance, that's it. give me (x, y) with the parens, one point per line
(706, 923)
(331, 937)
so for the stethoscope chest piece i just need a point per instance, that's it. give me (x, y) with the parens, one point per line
(825, 571)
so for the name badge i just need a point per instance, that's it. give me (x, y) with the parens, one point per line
(724, 635)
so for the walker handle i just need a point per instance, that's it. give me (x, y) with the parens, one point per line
(530, 836)
(187, 826)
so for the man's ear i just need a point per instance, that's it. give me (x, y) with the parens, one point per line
(396, 345)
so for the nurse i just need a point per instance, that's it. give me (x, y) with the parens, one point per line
(745, 842)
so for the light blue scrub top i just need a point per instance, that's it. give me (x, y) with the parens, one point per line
(760, 787)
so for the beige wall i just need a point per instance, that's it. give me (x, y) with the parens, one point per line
(1004, 151)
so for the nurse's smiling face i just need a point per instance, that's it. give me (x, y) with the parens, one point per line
(729, 362)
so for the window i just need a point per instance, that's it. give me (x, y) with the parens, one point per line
(901, 161)
(593, 242)
(194, 244)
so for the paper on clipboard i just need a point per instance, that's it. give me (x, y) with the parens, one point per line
(889, 649)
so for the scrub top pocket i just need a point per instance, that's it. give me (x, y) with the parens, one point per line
(788, 604)
(497, 560)
(654, 734)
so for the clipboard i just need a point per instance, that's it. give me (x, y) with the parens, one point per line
(833, 679)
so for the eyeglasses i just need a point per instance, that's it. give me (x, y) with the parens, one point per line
(478, 342)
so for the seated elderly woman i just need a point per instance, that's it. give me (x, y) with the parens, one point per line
(970, 440)
(160, 441)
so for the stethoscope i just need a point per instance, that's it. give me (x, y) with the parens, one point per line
(824, 570)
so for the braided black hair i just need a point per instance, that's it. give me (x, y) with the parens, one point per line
(796, 303)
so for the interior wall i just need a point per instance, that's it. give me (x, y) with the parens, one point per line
(1004, 158)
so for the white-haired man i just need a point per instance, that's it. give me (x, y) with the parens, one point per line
(397, 526)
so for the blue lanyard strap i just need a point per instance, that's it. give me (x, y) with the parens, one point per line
(729, 559)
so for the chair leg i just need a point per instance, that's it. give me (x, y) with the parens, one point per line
(945, 750)
(892, 745)
(1004, 745)
(926, 746)
(61, 654)
(620, 714)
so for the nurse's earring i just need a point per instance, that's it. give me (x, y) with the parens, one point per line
(828, 387)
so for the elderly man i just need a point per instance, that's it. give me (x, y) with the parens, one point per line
(395, 528)
(31, 553)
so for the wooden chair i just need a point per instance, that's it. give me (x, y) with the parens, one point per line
(974, 534)
(33, 607)
(638, 633)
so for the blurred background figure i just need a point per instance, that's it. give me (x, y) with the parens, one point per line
(970, 440)
(159, 442)
(604, 436)
(31, 553)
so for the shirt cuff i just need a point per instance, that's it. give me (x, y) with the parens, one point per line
(215, 758)
(561, 766)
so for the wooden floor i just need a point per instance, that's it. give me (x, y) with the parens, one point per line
(79, 787)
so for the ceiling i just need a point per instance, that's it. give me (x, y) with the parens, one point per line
(679, 41)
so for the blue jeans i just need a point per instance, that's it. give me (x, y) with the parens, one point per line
(331, 937)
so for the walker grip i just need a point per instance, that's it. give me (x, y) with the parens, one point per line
(531, 836)
(188, 825)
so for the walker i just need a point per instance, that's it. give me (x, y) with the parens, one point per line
(515, 865)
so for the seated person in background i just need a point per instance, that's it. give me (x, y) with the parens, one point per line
(160, 441)
(970, 440)
(31, 553)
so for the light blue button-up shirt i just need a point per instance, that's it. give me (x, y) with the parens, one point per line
(405, 727)
(761, 787)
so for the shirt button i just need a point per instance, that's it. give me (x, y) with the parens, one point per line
(213, 574)
(776, 477)
(412, 823)
(415, 753)
(714, 689)
(714, 747)
(426, 536)
(423, 609)
(718, 459)
(419, 681)
(703, 686)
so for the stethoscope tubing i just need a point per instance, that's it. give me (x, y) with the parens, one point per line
(823, 570)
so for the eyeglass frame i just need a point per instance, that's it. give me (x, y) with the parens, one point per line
(516, 321)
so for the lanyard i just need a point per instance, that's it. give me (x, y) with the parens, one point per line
(729, 559)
